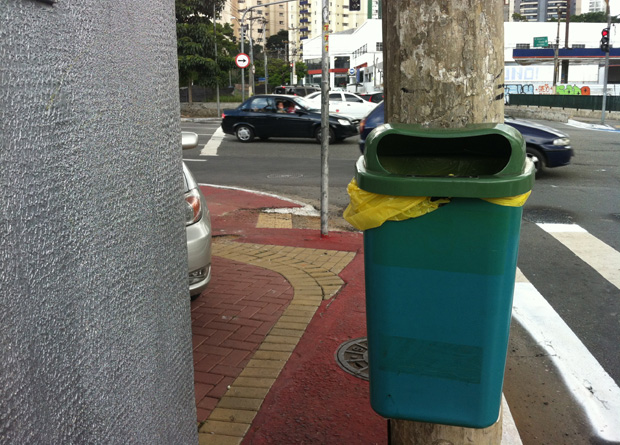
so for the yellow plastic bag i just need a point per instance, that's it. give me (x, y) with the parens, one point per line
(368, 210)
(511, 201)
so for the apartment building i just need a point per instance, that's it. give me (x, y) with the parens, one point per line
(546, 10)
(306, 19)
(262, 22)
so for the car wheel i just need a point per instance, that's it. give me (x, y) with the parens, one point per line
(537, 158)
(317, 135)
(244, 133)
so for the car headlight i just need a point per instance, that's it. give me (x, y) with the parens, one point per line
(344, 122)
(561, 141)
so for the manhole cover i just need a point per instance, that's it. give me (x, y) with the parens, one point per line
(352, 356)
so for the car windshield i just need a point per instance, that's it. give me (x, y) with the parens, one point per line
(305, 104)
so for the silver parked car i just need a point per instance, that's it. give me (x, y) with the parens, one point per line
(197, 228)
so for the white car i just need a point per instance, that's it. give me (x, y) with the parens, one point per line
(197, 227)
(344, 103)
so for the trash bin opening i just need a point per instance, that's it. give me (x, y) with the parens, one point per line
(467, 156)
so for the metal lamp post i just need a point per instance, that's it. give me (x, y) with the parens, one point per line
(242, 38)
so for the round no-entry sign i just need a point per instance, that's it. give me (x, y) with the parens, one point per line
(242, 60)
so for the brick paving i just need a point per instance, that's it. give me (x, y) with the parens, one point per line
(229, 322)
(248, 322)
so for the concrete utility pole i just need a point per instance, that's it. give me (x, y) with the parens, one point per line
(444, 68)
(444, 63)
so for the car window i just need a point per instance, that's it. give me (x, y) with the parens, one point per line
(335, 96)
(303, 103)
(352, 98)
(260, 104)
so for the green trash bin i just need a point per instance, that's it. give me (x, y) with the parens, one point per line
(439, 287)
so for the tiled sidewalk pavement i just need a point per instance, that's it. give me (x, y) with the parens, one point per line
(229, 321)
(245, 370)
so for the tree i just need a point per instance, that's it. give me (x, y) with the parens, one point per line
(277, 42)
(301, 70)
(198, 63)
(196, 11)
(593, 17)
(519, 18)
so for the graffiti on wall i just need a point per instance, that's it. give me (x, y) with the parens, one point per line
(564, 90)
(572, 90)
(519, 89)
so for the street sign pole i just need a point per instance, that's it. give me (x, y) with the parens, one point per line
(325, 121)
(606, 75)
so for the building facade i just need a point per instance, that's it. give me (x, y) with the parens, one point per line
(261, 22)
(356, 59)
(546, 10)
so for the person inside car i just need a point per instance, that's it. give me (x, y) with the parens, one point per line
(281, 107)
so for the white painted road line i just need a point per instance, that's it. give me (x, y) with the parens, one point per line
(592, 387)
(210, 148)
(603, 258)
(600, 127)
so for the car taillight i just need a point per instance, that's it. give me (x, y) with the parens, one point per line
(193, 207)
(223, 115)
(362, 125)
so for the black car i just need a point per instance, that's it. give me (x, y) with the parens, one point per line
(273, 115)
(545, 146)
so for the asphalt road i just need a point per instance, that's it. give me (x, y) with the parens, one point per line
(556, 393)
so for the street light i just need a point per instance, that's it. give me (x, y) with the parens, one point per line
(557, 48)
(242, 39)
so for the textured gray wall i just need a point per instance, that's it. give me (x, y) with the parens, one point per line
(95, 336)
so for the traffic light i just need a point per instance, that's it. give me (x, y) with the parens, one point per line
(605, 40)
(354, 5)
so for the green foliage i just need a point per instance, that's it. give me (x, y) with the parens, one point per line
(593, 17)
(301, 70)
(277, 69)
(196, 11)
(519, 18)
(277, 42)
(198, 61)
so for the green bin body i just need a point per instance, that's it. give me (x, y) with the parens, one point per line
(439, 287)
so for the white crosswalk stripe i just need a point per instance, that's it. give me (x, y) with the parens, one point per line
(593, 388)
(604, 259)
(211, 147)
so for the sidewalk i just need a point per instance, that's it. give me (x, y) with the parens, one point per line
(266, 332)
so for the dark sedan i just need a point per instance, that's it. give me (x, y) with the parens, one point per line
(545, 146)
(285, 116)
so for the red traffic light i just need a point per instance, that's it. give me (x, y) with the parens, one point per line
(605, 40)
